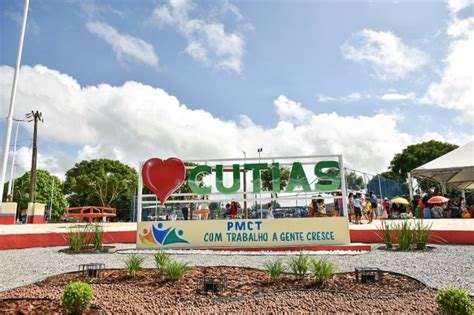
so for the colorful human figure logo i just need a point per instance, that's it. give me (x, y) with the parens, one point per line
(162, 236)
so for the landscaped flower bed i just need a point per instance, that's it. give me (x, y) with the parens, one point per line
(247, 290)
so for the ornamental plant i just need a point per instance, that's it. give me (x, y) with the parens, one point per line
(161, 258)
(322, 271)
(404, 236)
(134, 263)
(421, 234)
(175, 270)
(454, 301)
(387, 234)
(98, 236)
(77, 297)
(78, 237)
(299, 265)
(274, 269)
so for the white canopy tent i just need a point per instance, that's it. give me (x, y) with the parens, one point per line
(455, 168)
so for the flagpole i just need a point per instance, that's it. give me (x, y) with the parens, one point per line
(8, 127)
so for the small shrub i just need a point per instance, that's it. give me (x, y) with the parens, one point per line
(98, 236)
(299, 265)
(454, 301)
(322, 271)
(78, 237)
(161, 258)
(175, 270)
(421, 234)
(387, 234)
(134, 264)
(77, 297)
(274, 269)
(404, 236)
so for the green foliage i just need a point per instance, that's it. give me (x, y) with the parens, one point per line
(175, 270)
(83, 235)
(322, 270)
(77, 297)
(354, 182)
(46, 183)
(133, 264)
(274, 269)
(421, 234)
(266, 178)
(404, 235)
(416, 155)
(161, 258)
(103, 182)
(299, 265)
(78, 237)
(98, 236)
(387, 234)
(454, 301)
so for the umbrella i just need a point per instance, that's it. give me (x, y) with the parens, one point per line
(400, 200)
(438, 199)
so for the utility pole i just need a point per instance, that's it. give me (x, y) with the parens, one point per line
(35, 117)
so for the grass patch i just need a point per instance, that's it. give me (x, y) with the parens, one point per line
(274, 269)
(299, 265)
(134, 263)
(322, 271)
(175, 270)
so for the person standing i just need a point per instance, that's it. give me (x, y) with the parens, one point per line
(373, 204)
(233, 210)
(270, 211)
(185, 212)
(350, 204)
(386, 206)
(357, 208)
(369, 210)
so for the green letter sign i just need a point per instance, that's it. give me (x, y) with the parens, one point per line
(325, 177)
(256, 168)
(298, 178)
(193, 182)
(220, 181)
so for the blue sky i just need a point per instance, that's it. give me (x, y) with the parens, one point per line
(228, 59)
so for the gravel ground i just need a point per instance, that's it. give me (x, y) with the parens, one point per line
(441, 267)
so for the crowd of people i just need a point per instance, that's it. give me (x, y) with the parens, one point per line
(370, 207)
(360, 206)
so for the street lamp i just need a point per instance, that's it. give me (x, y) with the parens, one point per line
(245, 186)
(12, 168)
(259, 150)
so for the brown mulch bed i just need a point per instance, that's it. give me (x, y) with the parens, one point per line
(247, 290)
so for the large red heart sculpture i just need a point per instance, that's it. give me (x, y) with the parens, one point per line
(163, 177)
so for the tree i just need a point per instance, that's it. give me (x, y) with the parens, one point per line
(354, 182)
(104, 182)
(47, 185)
(267, 178)
(416, 155)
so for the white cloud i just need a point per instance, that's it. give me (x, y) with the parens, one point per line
(124, 45)
(399, 97)
(207, 41)
(134, 122)
(389, 95)
(455, 90)
(353, 97)
(56, 163)
(388, 56)
(455, 6)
